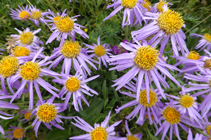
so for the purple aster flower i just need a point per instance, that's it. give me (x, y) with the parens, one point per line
(205, 41)
(17, 133)
(47, 112)
(162, 29)
(145, 62)
(26, 115)
(115, 50)
(104, 130)
(197, 137)
(36, 15)
(30, 73)
(76, 86)
(207, 127)
(20, 14)
(72, 52)
(158, 7)
(101, 51)
(132, 10)
(64, 27)
(28, 38)
(130, 136)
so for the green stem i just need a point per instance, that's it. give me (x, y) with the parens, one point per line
(200, 131)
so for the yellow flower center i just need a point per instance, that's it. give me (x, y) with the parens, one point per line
(171, 115)
(36, 15)
(132, 138)
(18, 133)
(30, 71)
(143, 98)
(186, 101)
(160, 6)
(8, 66)
(99, 51)
(170, 22)
(46, 112)
(146, 4)
(207, 64)
(208, 128)
(207, 37)
(24, 15)
(27, 115)
(193, 55)
(146, 57)
(26, 38)
(65, 24)
(99, 134)
(20, 51)
(129, 3)
(70, 49)
(56, 19)
(72, 84)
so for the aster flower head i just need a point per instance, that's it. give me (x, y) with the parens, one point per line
(130, 136)
(99, 132)
(17, 133)
(26, 115)
(36, 15)
(46, 112)
(204, 42)
(23, 13)
(158, 7)
(74, 56)
(101, 51)
(166, 25)
(75, 85)
(65, 26)
(28, 38)
(144, 61)
(31, 73)
(133, 9)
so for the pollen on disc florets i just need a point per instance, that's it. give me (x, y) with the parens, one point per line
(30, 71)
(18, 133)
(146, 4)
(186, 101)
(129, 3)
(143, 98)
(72, 84)
(132, 137)
(207, 37)
(20, 51)
(99, 51)
(26, 38)
(160, 6)
(99, 133)
(171, 115)
(27, 115)
(24, 15)
(193, 55)
(70, 49)
(36, 15)
(65, 24)
(207, 63)
(46, 112)
(170, 22)
(146, 57)
(56, 19)
(8, 66)
(208, 129)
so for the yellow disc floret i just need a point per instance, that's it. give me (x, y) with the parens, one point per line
(171, 115)
(46, 112)
(129, 3)
(20, 51)
(18, 133)
(186, 101)
(207, 64)
(70, 49)
(8, 66)
(27, 115)
(208, 129)
(65, 24)
(56, 19)
(72, 84)
(30, 71)
(160, 6)
(146, 57)
(26, 38)
(207, 37)
(99, 134)
(24, 15)
(143, 98)
(36, 15)
(170, 22)
(146, 4)
(132, 137)
(193, 55)
(99, 51)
